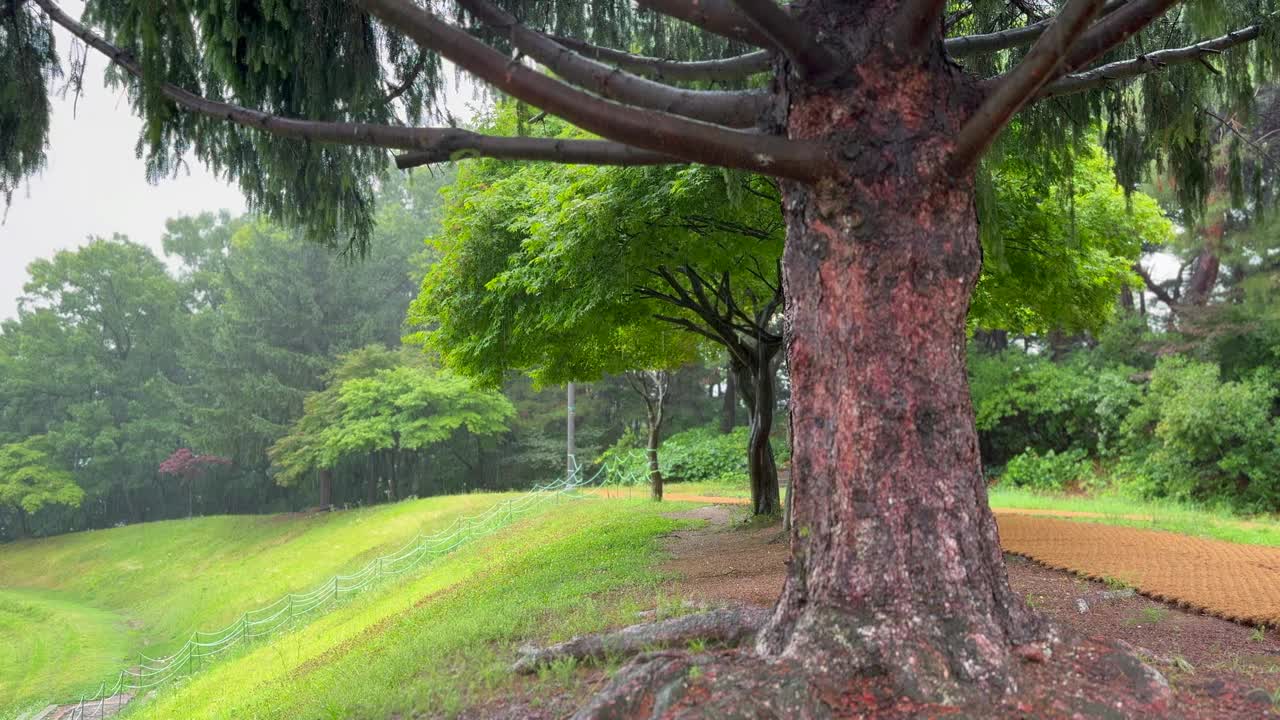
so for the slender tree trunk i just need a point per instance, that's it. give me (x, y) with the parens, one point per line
(571, 449)
(729, 401)
(128, 503)
(326, 487)
(1126, 298)
(651, 452)
(896, 565)
(761, 467)
(1060, 344)
(24, 524)
(370, 482)
(393, 491)
(993, 341)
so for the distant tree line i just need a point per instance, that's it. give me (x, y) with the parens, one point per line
(251, 370)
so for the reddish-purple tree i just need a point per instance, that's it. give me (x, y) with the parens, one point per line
(188, 467)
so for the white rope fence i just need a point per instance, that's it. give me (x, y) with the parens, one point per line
(198, 650)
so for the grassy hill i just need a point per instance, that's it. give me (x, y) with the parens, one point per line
(445, 640)
(74, 609)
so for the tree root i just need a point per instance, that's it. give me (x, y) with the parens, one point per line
(1078, 678)
(727, 626)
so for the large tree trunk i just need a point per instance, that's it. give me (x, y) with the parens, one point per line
(896, 565)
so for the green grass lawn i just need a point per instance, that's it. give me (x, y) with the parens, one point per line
(446, 639)
(73, 609)
(1163, 515)
(109, 594)
(43, 635)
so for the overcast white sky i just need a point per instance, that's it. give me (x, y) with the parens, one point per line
(94, 185)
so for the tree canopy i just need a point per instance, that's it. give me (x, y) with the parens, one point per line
(383, 402)
(540, 264)
(300, 105)
(31, 480)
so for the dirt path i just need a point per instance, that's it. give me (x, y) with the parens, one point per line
(1217, 669)
(1228, 580)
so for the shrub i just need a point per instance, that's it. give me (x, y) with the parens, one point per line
(696, 455)
(704, 454)
(1196, 437)
(1051, 471)
(1025, 401)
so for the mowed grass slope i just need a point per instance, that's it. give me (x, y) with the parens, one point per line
(77, 608)
(445, 640)
(42, 636)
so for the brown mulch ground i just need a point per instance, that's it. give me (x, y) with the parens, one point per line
(1216, 668)
(1229, 580)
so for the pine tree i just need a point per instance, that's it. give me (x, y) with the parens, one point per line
(873, 117)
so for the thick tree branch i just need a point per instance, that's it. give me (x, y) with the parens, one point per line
(795, 40)
(1160, 293)
(660, 132)
(952, 19)
(1117, 27)
(720, 17)
(916, 21)
(733, 109)
(1151, 62)
(428, 144)
(724, 70)
(1021, 84)
(461, 144)
(970, 45)
(683, 323)
(345, 133)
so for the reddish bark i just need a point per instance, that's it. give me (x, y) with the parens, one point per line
(896, 566)
(1204, 276)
